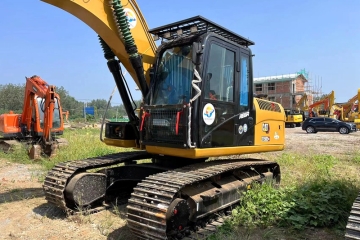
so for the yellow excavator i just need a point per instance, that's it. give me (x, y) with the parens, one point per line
(198, 103)
(294, 118)
(302, 106)
(348, 112)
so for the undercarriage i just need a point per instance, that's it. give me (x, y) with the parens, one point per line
(353, 224)
(165, 201)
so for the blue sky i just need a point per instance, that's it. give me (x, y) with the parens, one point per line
(322, 36)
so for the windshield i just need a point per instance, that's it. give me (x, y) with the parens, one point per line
(56, 113)
(173, 77)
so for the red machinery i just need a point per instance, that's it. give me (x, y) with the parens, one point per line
(41, 120)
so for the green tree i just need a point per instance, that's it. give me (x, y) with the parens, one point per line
(69, 103)
(98, 103)
(12, 97)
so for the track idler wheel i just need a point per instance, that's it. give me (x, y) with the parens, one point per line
(177, 216)
(85, 189)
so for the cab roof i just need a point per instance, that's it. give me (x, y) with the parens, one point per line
(183, 28)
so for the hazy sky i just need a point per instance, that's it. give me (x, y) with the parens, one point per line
(322, 36)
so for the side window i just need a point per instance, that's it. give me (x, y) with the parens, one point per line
(41, 103)
(244, 82)
(56, 115)
(219, 83)
(329, 120)
(318, 120)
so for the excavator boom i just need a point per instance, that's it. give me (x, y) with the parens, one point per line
(99, 15)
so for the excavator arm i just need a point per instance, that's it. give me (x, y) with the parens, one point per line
(35, 86)
(302, 103)
(327, 101)
(38, 115)
(347, 107)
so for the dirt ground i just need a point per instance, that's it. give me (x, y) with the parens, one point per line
(24, 213)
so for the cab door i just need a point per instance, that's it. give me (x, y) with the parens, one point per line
(245, 120)
(217, 107)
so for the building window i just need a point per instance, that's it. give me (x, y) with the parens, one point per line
(293, 87)
(271, 86)
(258, 87)
(272, 99)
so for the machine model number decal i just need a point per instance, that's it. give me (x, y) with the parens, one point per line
(209, 114)
(265, 139)
(265, 127)
(244, 115)
(131, 17)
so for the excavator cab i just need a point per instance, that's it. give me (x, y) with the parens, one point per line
(224, 62)
(201, 92)
(200, 97)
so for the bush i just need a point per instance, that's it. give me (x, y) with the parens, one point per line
(317, 203)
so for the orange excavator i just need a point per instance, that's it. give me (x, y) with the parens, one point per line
(39, 123)
(328, 101)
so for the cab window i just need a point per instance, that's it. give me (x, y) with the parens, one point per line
(219, 80)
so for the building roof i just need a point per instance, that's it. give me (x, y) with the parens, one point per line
(280, 78)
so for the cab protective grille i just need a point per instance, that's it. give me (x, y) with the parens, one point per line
(164, 125)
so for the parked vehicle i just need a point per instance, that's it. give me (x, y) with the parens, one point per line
(326, 124)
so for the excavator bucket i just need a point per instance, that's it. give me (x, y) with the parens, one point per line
(9, 145)
(35, 151)
(48, 149)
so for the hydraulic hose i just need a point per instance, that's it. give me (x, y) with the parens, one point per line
(130, 46)
(114, 67)
(108, 53)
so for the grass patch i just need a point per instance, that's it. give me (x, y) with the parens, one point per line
(315, 193)
(83, 143)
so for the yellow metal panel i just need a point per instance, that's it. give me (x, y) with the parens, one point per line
(98, 15)
(276, 122)
(120, 143)
(195, 153)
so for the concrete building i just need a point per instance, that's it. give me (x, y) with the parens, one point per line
(285, 89)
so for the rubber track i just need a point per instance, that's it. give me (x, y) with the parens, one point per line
(57, 178)
(353, 225)
(152, 196)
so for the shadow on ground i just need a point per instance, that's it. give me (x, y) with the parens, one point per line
(19, 194)
(121, 233)
(50, 211)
